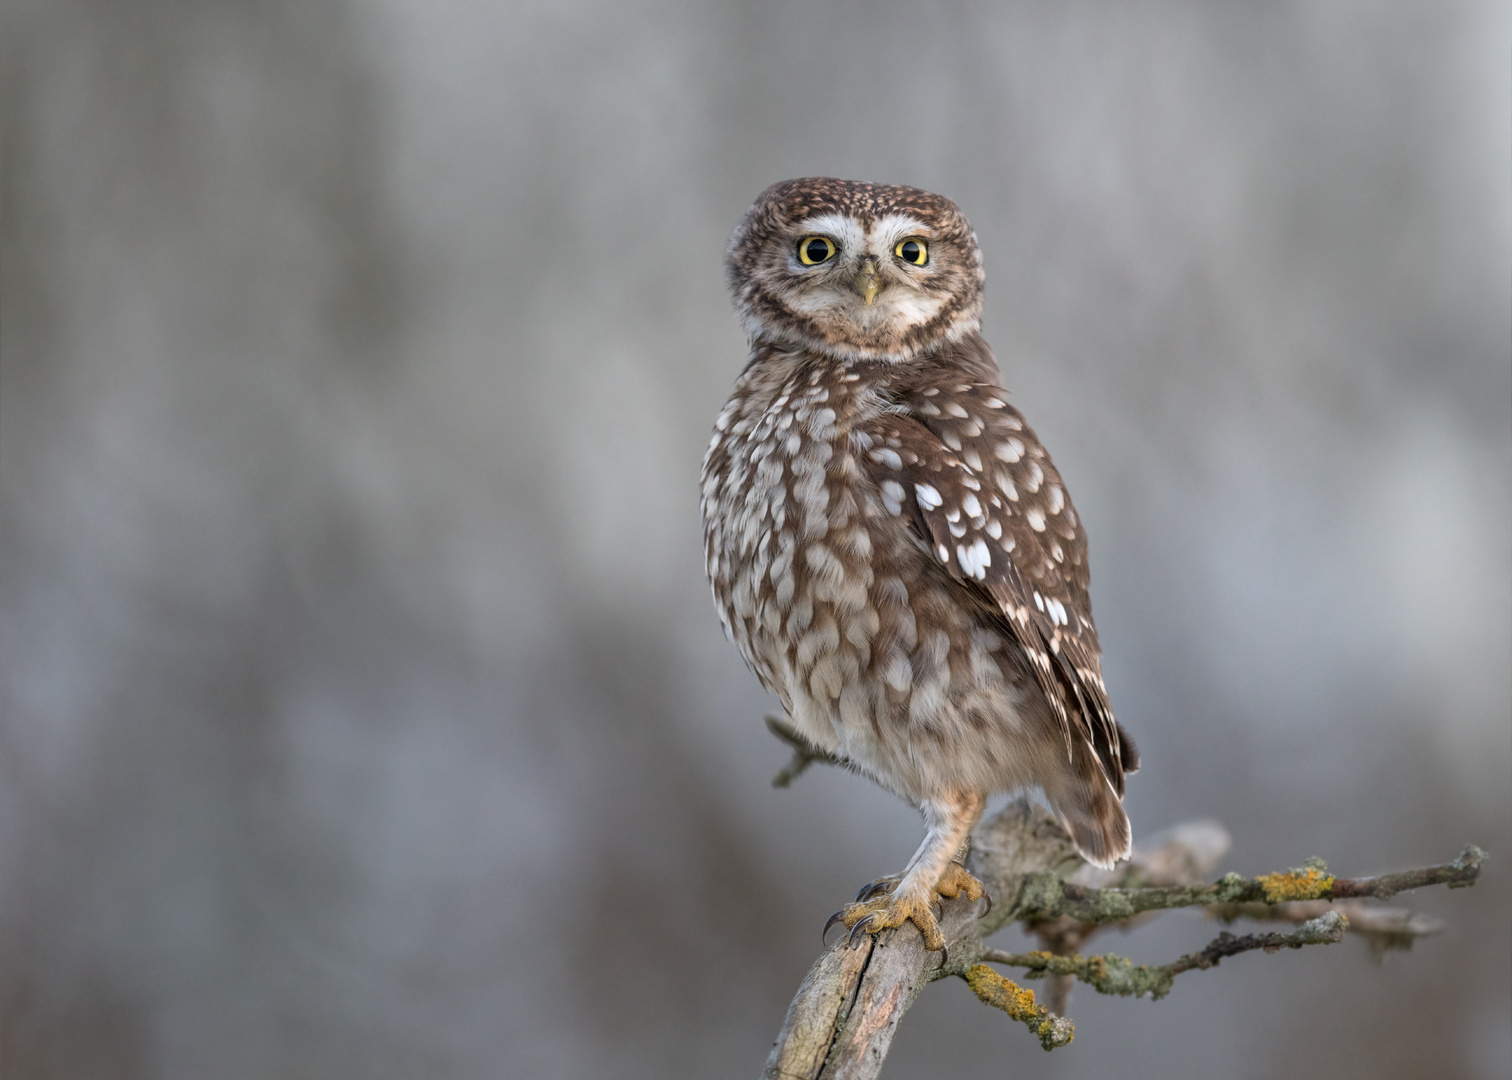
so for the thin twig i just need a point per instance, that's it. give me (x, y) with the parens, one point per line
(1326, 929)
(1046, 896)
(1384, 928)
(1456, 875)
(1109, 974)
(1185, 855)
(992, 989)
(805, 753)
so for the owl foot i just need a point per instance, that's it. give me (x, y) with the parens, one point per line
(957, 880)
(879, 908)
(885, 912)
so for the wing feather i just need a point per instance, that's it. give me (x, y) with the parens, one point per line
(979, 491)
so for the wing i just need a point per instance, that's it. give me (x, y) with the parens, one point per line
(960, 465)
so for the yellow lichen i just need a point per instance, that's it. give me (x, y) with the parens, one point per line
(1018, 1002)
(1002, 993)
(1306, 883)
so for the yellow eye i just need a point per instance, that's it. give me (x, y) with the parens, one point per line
(813, 250)
(913, 250)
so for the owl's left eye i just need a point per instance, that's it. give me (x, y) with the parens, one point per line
(913, 250)
(813, 250)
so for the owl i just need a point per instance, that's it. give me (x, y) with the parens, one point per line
(889, 545)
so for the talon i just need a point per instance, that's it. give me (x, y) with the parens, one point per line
(860, 928)
(987, 896)
(831, 921)
(881, 887)
(944, 955)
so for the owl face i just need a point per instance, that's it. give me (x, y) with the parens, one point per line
(856, 270)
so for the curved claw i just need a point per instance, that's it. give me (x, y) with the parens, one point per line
(860, 928)
(944, 955)
(831, 921)
(987, 896)
(872, 889)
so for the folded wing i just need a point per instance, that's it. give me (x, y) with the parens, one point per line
(960, 466)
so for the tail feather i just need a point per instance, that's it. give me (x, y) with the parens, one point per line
(1104, 839)
(1128, 753)
(1093, 815)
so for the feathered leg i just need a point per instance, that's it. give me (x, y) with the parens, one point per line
(932, 872)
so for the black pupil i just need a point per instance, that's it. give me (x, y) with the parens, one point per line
(817, 250)
(911, 251)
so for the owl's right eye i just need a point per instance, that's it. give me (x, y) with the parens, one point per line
(813, 250)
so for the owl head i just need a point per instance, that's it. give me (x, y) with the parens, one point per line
(855, 270)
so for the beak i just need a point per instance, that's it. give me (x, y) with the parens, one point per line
(867, 282)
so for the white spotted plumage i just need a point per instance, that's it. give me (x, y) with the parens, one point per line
(889, 545)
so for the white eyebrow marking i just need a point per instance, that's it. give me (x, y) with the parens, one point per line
(845, 231)
(887, 231)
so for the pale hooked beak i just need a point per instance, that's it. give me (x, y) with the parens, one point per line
(867, 281)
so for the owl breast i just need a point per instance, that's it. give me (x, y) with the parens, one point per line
(836, 603)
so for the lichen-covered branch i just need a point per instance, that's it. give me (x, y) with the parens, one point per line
(1110, 974)
(992, 989)
(1326, 929)
(1046, 896)
(1186, 855)
(1383, 928)
(842, 1021)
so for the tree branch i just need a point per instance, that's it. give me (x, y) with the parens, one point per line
(992, 989)
(1384, 928)
(1111, 974)
(805, 753)
(1185, 855)
(842, 1021)
(1046, 896)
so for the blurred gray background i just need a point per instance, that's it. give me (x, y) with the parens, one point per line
(364, 710)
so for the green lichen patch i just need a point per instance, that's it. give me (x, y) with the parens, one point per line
(1041, 895)
(1107, 974)
(1231, 888)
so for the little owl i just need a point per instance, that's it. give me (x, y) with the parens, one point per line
(889, 545)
